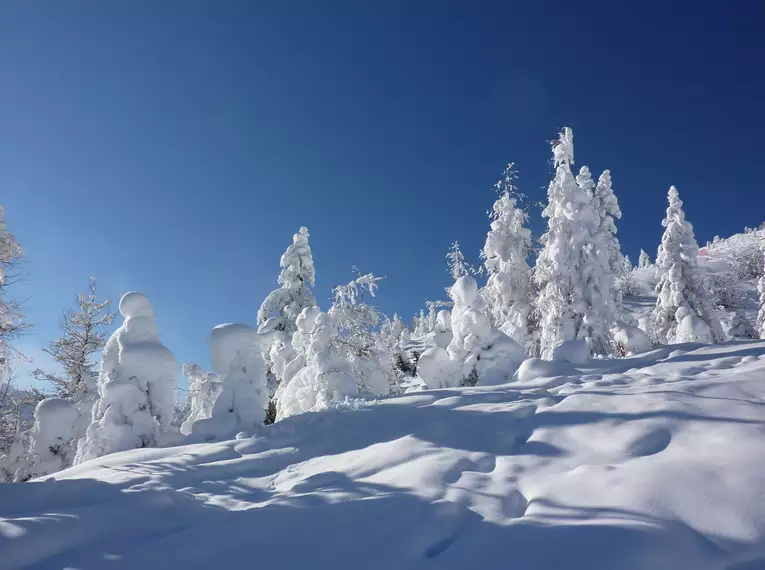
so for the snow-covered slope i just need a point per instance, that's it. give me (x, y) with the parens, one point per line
(650, 462)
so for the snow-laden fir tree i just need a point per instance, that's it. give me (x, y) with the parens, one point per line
(644, 260)
(279, 311)
(456, 264)
(683, 312)
(84, 337)
(573, 294)
(51, 438)
(136, 386)
(507, 245)
(740, 327)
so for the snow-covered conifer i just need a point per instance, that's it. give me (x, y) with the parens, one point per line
(760, 326)
(51, 437)
(574, 297)
(504, 253)
(644, 261)
(83, 338)
(237, 359)
(741, 327)
(296, 278)
(136, 386)
(680, 290)
(456, 264)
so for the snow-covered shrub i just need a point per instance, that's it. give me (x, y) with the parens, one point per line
(533, 368)
(237, 358)
(573, 351)
(326, 377)
(760, 325)
(741, 327)
(747, 260)
(680, 290)
(507, 245)
(723, 290)
(476, 346)
(136, 386)
(629, 339)
(15, 460)
(50, 441)
(437, 369)
(204, 389)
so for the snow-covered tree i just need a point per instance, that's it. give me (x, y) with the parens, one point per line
(741, 327)
(644, 261)
(456, 264)
(84, 337)
(574, 296)
(761, 290)
(136, 386)
(204, 389)
(237, 359)
(680, 291)
(51, 438)
(296, 279)
(507, 245)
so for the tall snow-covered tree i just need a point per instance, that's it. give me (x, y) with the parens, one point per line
(683, 312)
(296, 279)
(572, 303)
(507, 245)
(644, 260)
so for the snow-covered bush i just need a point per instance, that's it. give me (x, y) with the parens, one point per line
(680, 290)
(204, 389)
(326, 377)
(747, 260)
(50, 441)
(240, 406)
(741, 327)
(723, 290)
(507, 245)
(760, 325)
(629, 339)
(437, 369)
(533, 368)
(15, 460)
(484, 354)
(136, 386)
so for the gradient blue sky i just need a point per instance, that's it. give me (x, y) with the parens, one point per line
(174, 147)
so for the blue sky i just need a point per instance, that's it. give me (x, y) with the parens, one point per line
(174, 147)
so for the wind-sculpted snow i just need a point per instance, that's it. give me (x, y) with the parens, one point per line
(649, 462)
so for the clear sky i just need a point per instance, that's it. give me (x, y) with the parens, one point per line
(174, 147)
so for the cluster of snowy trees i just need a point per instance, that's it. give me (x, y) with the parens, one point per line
(558, 296)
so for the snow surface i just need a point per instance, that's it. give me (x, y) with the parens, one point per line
(649, 462)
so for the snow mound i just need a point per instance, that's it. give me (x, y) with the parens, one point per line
(651, 462)
(573, 351)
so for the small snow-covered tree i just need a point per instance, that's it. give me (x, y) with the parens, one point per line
(644, 261)
(507, 245)
(680, 292)
(741, 327)
(237, 359)
(84, 337)
(51, 438)
(456, 264)
(574, 296)
(136, 386)
(204, 388)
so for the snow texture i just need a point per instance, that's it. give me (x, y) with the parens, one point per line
(647, 462)
(136, 386)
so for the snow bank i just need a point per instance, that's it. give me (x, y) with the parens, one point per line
(652, 462)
